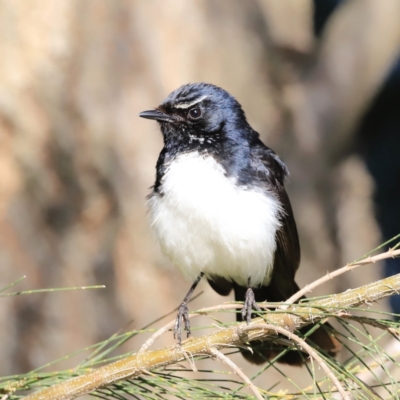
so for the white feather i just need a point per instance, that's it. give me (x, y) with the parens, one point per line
(204, 222)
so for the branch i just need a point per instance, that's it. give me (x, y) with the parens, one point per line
(294, 318)
(151, 340)
(334, 274)
(237, 371)
(232, 306)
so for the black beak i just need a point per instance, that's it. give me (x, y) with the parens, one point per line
(157, 115)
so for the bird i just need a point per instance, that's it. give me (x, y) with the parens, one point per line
(219, 209)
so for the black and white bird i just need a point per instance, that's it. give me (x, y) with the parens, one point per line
(219, 208)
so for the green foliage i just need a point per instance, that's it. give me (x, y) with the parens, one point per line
(368, 367)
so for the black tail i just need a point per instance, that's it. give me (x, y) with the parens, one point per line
(262, 351)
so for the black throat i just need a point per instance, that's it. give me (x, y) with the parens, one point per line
(226, 145)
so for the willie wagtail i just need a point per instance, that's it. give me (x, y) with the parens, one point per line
(219, 208)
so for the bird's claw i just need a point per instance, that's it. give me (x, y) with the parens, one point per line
(183, 316)
(249, 305)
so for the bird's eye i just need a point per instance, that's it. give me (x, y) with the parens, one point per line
(195, 113)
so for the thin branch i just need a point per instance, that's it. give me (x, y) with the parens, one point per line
(372, 322)
(237, 371)
(238, 334)
(349, 267)
(307, 348)
(149, 342)
(375, 372)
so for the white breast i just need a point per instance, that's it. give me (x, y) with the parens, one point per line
(203, 222)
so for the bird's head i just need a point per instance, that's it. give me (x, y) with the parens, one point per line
(199, 112)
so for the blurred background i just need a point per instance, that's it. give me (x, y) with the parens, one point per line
(319, 80)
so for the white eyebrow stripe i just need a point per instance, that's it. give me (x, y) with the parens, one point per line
(192, 103)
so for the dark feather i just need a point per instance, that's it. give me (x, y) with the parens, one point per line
(271, 170)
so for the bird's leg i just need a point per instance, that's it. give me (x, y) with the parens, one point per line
(249, 304)
(183, 312)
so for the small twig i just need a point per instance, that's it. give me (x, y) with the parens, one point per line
(190, 359)
(372, 322)
(349, 267)
(217, 354)
(157, 334)
(307, 348)
(375, 371)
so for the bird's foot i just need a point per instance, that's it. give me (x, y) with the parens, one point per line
(249, 305)
(183, 316)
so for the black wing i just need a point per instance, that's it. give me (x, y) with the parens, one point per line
(268, 169)
(287, 255)
(273, 171)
